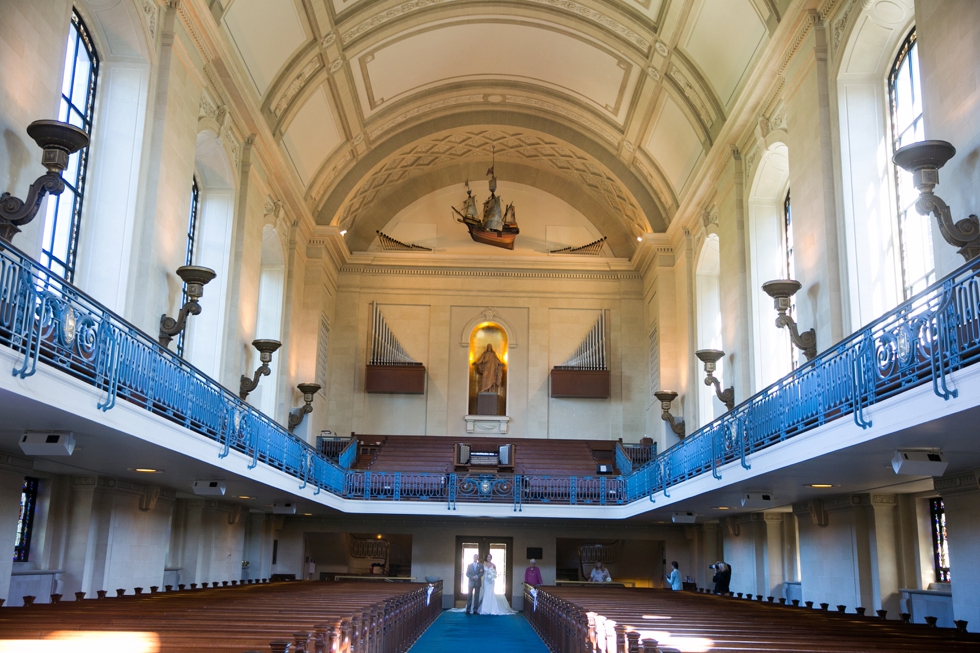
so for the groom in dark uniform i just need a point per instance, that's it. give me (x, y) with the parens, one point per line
(474, 573)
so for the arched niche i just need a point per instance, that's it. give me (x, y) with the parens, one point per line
(767, 253)
(489, 315)
(215, 177)
(121, 34)
(488, 340)
(707, 289)
(871, 41)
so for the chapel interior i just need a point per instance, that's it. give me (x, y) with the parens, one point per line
(313, 300)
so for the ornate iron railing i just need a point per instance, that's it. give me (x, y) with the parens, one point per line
(623, 462)
(47, 320)
(640, 454)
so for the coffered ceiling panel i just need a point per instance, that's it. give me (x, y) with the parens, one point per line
(674, 144)
(495, 49)
(267, 34)
(724, 39)
(649, 8)
(312, 135)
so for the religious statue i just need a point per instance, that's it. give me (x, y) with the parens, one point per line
(491, 370)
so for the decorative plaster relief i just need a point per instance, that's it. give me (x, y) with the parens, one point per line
(424, 108)
(653, 73)
(311, 67)
(328, 40)
(562, 111)
(151, 12)
(662, 49)
(654, 363)
(692, 95)
(336, 65)
(576, 8)
(840, 25)
(329, 175)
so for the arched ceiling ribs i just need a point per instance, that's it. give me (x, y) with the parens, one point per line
(534, 141)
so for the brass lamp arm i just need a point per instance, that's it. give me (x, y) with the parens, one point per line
(727, 396)
(296, 415)
(19, 212)
(247, 384)
(964, 234)
(806, 341)
(677, 426)
(169, 327)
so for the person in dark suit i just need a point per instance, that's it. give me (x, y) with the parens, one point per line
(474, 574)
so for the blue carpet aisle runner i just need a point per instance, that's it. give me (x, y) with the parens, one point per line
(458, 632)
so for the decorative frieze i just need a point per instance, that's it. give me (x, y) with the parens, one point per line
(692, 95)
(310, 69)
(510, 274)
(957, 483)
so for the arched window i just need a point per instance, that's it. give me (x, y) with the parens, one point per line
(64, 211)
(914, 230)
(189, 255)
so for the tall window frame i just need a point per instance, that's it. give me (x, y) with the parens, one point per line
(940, 540)
(918, 267)
(790, 263)
(25, 522)
(59, 248)
(192, 222)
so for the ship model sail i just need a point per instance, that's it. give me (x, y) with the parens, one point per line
(496, 226)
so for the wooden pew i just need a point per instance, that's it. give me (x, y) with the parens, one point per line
(577, 620)
(312, 616)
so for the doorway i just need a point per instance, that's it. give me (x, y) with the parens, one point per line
(500, 548)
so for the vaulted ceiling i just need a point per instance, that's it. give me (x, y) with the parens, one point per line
(610, 103)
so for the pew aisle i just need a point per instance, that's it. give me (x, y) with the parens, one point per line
(458, 632)
(575, 619)
(308, 616)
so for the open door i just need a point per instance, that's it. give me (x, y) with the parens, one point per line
(500, 548)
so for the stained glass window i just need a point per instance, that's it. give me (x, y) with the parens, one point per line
(914, 230)
(189, 256)
(64, 211)
(940, 542)
(25, 523)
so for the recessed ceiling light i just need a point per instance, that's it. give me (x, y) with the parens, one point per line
(307, 514)
(639, 239)
(245, 497)
(820, 486)
(343, 232)
(722, 508)
(146, 470)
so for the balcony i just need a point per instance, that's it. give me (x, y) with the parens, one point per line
(48, 325)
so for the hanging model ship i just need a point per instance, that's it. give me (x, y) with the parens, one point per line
(494, 227)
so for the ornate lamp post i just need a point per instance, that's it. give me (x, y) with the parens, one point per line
(923, 160)
(265, 348)
(195, 277)
(666, 398)
(297, 414)
(710, 359)
(782, 291)
(59, 140)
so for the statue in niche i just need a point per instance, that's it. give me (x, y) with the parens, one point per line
(490, 369)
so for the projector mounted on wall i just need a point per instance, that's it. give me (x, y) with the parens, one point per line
(683, 518)
(210, 488)
(280, 508)
(757, 500)
(47, 443)
(920, 463)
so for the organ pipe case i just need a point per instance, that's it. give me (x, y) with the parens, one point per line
(395, 379)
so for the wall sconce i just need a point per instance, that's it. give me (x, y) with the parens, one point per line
(710, 357)
(59, 140)
(297, 414)
(195, 278)
(923, 160)
(782, 291)
(266, 348)
(666, 398)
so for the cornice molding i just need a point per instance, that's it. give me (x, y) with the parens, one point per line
(492, 273)
(958, 483)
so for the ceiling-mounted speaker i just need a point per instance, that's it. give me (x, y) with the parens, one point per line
(684, 518)
(920, 463)
(47, 443)
(757, 500)
(210, 488)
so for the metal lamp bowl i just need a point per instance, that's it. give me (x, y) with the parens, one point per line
(58, 135)
(665, 396)
(266, 346)
(924, 154)
(709, 355)
(309, 388)
(781, 288)
(195, 274)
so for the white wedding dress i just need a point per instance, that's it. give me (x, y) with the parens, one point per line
(493, 604)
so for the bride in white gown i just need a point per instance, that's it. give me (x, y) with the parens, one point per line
(493, 604)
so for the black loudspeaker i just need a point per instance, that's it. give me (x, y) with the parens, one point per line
(535, 552)
(603, 468)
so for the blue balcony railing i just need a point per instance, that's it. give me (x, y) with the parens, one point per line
(46, 320)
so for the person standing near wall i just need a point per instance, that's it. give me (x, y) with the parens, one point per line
(722, 578)
(674, 577)
(532, 575)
